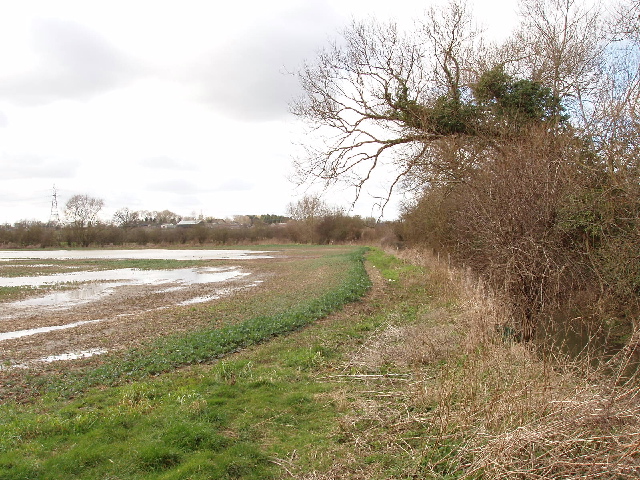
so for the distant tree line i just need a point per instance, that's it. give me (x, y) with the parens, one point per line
(311, 221)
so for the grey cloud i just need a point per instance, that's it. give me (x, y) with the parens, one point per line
(174, 186)
(167, 163)
(73, 63)
(4, 121)
(250, 77)
(33, 166)
(187, 204)
(124, 198)
(234, 185)
(185, 186)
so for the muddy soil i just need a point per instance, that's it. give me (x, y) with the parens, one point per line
(130, 315)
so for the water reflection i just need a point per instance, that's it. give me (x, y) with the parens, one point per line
(220, 293)
(104, 282)
(83, 294)
(143, 254)
(73, 355)
(33, 331)
(56, 358)
(130, 275)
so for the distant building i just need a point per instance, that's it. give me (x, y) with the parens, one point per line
(189, 223)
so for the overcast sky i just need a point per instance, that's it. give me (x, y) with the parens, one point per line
(156, 105)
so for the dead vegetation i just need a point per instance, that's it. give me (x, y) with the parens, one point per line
(454, 397)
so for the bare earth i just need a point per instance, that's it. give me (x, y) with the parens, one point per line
(129, 316)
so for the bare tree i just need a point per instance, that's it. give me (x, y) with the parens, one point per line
(561, 44)
(309, 207)
(625, 22)
(379, 96)
(307, 212)
(507, 152)
(126, 218)
(614, 208)
(82, 210)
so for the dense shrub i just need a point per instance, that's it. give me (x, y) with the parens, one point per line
(543, 224)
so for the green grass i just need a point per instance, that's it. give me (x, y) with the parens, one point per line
(390, 267)
(166, 412)
(194, 425)
(15, 292)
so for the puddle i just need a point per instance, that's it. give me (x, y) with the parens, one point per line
(34, 331)
(68, 298)
(88, 297)
(91, 292)
(143, 254)
(220, 293)
(55, 358)
(131, 275)
(72, 355)
(205, 298)
(103, 283)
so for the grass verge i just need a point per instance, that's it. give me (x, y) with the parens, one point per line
(473, 404)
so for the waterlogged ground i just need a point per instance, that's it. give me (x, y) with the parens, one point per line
(139, 254)
(57, 306)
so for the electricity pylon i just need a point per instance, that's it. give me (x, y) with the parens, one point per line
(54, 218)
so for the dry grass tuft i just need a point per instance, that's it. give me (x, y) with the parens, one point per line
(490, 407)
(522, 415)
(405, 346)
(591, 432)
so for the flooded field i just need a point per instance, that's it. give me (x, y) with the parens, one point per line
(69, 309)
(149, 253)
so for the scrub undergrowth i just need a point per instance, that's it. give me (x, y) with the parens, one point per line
(439, 392)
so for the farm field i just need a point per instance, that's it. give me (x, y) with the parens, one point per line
(69, 304)
(42, 328)
(321, 371)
